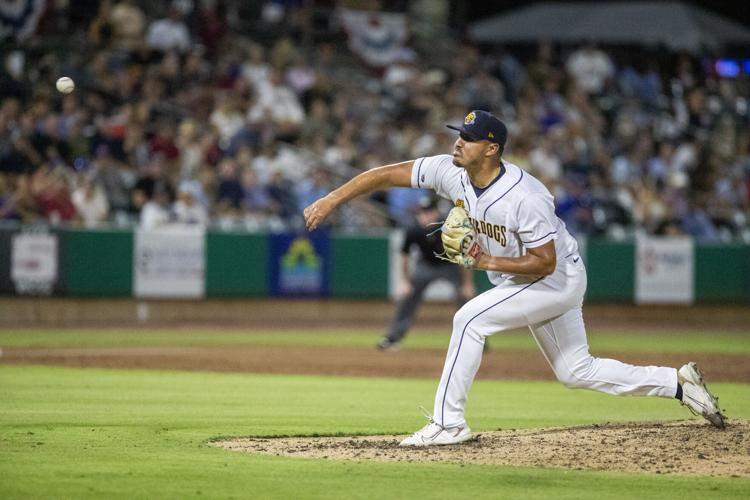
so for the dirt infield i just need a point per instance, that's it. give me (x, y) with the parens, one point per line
(679, 448)
(422, 363)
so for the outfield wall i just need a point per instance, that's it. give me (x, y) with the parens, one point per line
(192, 263)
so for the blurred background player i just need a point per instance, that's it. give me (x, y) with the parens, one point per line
(425, 270)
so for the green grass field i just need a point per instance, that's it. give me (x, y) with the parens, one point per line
(715, 342)
(95, 433)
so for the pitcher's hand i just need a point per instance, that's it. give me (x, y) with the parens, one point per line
(317, 212)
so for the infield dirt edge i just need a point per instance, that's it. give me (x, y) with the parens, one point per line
(684, 448)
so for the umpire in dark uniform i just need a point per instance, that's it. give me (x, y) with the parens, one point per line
(428, 268)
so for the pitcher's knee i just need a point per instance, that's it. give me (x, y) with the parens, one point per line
(462, 325)
(569, 380)
(461, 319)
(577, 376)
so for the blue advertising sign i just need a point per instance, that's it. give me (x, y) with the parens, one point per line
(300, 264)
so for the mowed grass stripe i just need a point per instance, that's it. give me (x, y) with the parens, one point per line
(717, 342)
(91, 433)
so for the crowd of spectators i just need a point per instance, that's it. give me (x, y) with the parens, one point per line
(177, 118)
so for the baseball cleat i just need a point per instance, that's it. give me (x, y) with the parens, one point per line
(434, 434)
(696, 396)
(388, 345)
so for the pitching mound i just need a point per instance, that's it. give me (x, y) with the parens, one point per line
(684, 448)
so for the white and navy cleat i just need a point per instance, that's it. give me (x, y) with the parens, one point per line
(434, 434)
(696, 396)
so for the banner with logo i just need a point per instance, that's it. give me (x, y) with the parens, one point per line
(664, 271)
(33, 262)
(300, 264)
(19, 18)
(169, 262)
(377, 37)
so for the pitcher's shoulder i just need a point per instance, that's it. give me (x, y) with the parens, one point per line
(527, 183)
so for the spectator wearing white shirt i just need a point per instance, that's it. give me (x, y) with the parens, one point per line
(91, 202)
(187, 208)
(169, 33)
(590, 67)
(227, 118)
(256, 69)
(545, 163)
(278, 104)
(157, 211)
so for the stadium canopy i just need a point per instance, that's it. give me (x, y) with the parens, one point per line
(673, 24)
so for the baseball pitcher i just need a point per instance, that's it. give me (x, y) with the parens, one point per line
(504, 222)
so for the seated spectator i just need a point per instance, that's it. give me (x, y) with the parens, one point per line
(227, 118)
(7, 200)
(169, 33)
(300, 76)
(590, 67)
(281, 192)
(90, 201)
(191, 155)
(157, 212)
(24, 202)
(115, 177)
(163, 142)
(545, 162)
(230, 190)
(278, 105)
(155, 176)
(187, 209)
(255, 195)
(212, 25)
(128, 24)
(52, 194)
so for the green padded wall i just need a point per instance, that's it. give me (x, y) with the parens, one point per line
(236, 264)
(722, 273)
(359, 266)
(610, 270)
(97, 262)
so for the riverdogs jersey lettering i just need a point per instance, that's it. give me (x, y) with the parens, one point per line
(513, 213)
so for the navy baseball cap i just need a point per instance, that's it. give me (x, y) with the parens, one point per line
(483, 126)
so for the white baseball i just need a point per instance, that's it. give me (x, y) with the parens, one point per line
(65, 85)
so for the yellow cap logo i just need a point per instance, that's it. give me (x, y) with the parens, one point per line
(469, 120)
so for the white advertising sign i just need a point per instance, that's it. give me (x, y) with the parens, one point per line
(664, 271)
(34, 262)
(169, 262)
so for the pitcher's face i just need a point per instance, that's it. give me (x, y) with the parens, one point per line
(468, 151)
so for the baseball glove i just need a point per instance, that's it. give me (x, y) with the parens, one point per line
(459, 239)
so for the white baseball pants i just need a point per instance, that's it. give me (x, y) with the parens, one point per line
(551, 308)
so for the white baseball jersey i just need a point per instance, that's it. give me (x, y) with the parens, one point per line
(512, 214)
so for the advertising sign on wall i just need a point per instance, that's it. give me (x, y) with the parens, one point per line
(33, 263)
(664, 271)
(169, 262)
(300, 264)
